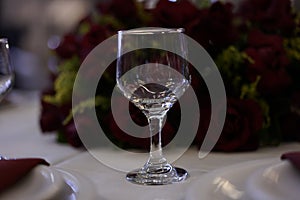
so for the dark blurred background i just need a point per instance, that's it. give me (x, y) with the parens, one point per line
(33, 27)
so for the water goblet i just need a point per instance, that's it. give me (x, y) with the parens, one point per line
(153, 79)
(6, 72)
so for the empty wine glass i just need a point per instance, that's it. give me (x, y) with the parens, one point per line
(6, 72)
(153, 79)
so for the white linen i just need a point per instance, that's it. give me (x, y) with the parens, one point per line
(20, 136)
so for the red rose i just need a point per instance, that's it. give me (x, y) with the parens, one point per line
(205, 114)
(70, 134)
(243, 120)
(84, 125)
(213, 27)
(290, 122)
(92, 38)
(295, 101)
(270, 62)
(271, 15)
(290, 126)
(52, 116)
(113, 131)
(50, 119)
(174, 14)
(120, 137)
(68, 47)
(125, 11)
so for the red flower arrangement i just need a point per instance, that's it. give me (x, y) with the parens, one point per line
(256, 47)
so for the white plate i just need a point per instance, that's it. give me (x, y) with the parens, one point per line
(228, 183)
(48, 183)
(277, 182)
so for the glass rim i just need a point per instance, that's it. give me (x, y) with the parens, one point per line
(3, 40)
(150, 31)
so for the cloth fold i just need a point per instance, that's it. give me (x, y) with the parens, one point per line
(293, 157)
(12, 170)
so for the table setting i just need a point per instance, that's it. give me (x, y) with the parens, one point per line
(177, 100)
(88, 178)
(93, 180)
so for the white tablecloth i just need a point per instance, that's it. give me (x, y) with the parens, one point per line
(20, 136)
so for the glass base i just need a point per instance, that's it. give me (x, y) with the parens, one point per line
(159, 177)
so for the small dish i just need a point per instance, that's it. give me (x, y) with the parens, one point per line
(276, 182)
(228, 183)
(41, 183)
(50, 183)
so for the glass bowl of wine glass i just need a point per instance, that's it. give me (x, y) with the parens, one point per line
(153, 80)
(6, 71)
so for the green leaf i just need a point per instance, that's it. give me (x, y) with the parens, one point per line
(98, 101)
(60, 137)
(292, 47)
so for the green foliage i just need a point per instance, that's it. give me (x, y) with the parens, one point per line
(111, 21)
(231, 63)
(250, 90)
(98, 101)
(292, 47)
(84, 28)
(145, 17)
(61, 138)
(64, 82)
(203, 3)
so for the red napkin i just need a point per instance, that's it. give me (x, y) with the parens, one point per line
(293, 157)
(14, 169)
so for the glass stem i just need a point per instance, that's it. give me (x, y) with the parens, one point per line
(156, 155)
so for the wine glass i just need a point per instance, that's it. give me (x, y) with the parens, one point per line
(6, 72)
(153, 79)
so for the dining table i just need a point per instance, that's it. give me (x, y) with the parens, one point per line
(74, 173)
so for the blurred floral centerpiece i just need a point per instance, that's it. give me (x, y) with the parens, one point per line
(255, 45)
